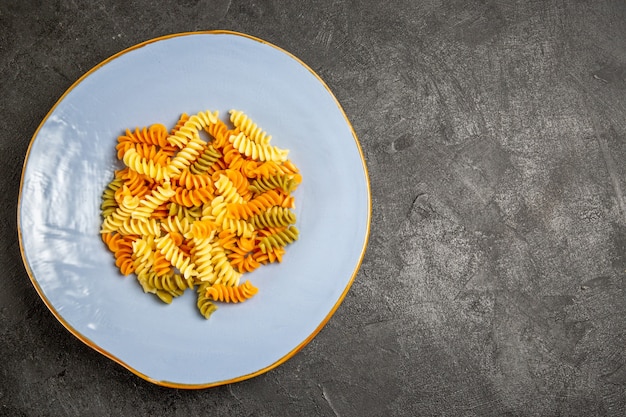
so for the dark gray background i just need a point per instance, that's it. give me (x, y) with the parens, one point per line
(495, 135)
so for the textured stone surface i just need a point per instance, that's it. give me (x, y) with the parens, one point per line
(494, 134)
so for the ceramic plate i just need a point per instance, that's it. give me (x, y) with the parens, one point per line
(72, 158)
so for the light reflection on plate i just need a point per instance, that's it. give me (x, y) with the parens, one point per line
(72, 158)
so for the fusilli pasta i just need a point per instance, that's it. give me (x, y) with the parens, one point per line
(186, 213)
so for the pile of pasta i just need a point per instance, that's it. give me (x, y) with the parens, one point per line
(198, 206)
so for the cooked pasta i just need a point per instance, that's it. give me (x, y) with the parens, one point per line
(195, 197)
(186, 213)
(257, 151)
(203, 257)
(166, 245)
(204, 303)
(226, 273)
(228, 190)
(286, 183)
(124, 256)
(123, 212)
(134, 161)
(279, 239)
(255, 206)
(273, 217)
(151, 202)
(187, 155)
(169, 282)
(249, 128)
(206, 160)
(191, 181)
(229, 294)
(109, 202)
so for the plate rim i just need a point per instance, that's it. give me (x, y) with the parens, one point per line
(109, 355)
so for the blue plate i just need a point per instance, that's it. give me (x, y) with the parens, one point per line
(71, 159)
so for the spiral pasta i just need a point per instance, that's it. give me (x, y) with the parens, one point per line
(151, 202)
(195, 197)
(182, 212)
(186, 213)
(190, 128)
(255, 206)
(143, 257)
(204, 303)
(206, 160)
(226, 273)
(150, 227)
(187, 155)
(257, 151)
(153, 135)
(203, 257)
(109, 202)
(249, 128)
(192, 181)
(135, 184)
(286, 183)
(228, 294)
(279, 239)
(228, 190)
(241, 256)
(169, 282)
(178, 258)
(175, 224)
(273, 217)
(133, 160)
(124, 256)
(122, 213)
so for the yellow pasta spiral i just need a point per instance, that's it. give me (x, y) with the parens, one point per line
(239, 227)
(240, 120)
(226, 274)
(134, 161)
(114, 220)
(151, 202)
(228, 190)
(191, 127)
(140, 227)
(203, 259)
(187, 155)
(175, 224)
(143, 257)
(172, 253)
(258, 151)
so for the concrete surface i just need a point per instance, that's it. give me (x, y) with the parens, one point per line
(495, 135)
